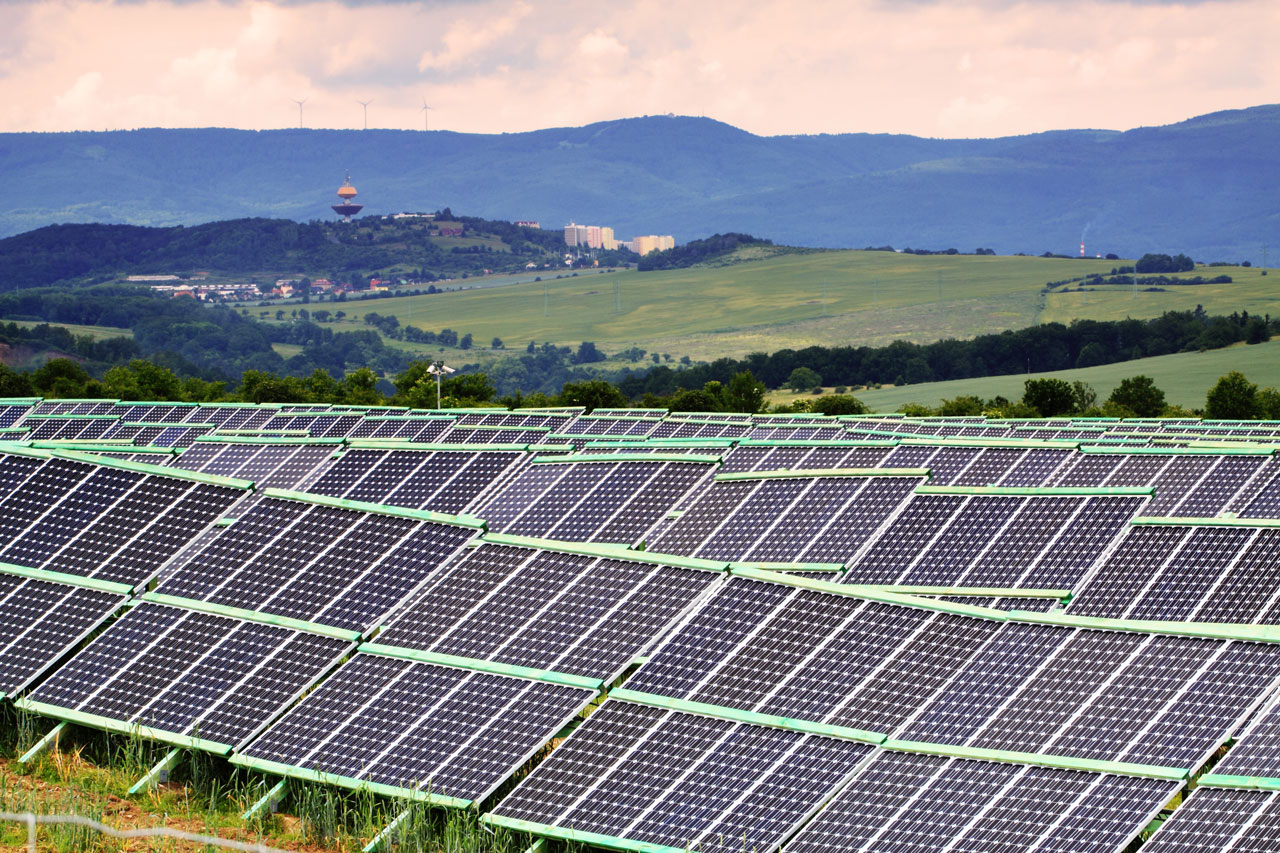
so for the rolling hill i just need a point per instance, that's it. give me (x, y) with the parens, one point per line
(1205, 186)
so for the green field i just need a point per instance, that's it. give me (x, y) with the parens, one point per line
(96, 332)
(822, 298)
(1185, 378)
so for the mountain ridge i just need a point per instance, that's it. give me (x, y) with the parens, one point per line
(1205, 185)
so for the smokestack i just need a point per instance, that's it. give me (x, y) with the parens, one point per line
(1082, 248)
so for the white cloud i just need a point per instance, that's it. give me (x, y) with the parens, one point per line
(974, 68)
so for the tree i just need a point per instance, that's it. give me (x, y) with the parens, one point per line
(961, 406)
(472, 387)
(1139, 395)
(1233, 398)
(1269, 404)
(142, 380)
(744, 394)
(465, 341)
(1083, 396)
(360, 388)
(592, 394)
(804, 379)
(1049, 397)
(587, 353)
(497, 343)
(839, 404)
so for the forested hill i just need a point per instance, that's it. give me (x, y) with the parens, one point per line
(426, 250)
(1206, 186)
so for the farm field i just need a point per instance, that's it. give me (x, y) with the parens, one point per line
(820, 298)
(96, 332)
(1185, 378)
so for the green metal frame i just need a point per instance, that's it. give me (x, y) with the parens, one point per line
(1040, 491)
(1205, 630)
(66, 579)
(377, 509)
(871, 593)
(109, 724)
(526, 673)
(275, 768)
(1224, 780)
(723, 443)
(813, 473)
(606, 551)
(272, 437)
(975, 591)
(755, 718)
(164, 425)
(1059, 762)
(1178, 451)
(1010, 443)
(252, 616)
(816, 442)
(590, 839)
(625, 457)
(153, 470)
(401, 444)
(790, 567)
(110, 445)
(1174, 521)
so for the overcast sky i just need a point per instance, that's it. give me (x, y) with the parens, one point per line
(924, 67)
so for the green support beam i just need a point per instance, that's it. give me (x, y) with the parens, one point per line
(157, 775)
(49, 741)
(387, 835)
(269, 802)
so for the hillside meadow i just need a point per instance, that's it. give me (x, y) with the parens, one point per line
(1185, 379)
(822, 298)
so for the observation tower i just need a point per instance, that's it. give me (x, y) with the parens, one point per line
(347, 208)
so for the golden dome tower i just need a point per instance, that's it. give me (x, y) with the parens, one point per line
(347, 208)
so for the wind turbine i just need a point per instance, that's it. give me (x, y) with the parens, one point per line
(426, 115)
(299, 103)
(366, 104)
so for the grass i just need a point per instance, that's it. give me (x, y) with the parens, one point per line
(1185, 378)
(795, 300)
(90, 774)
(96, 332)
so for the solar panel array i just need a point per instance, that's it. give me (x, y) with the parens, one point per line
(765, 632)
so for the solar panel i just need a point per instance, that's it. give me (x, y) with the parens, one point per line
(42, 622)
(185, 674)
